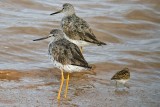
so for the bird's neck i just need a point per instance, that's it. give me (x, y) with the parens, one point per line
(70, 13)
(57, 39)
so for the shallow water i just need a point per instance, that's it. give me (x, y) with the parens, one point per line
(131, 30)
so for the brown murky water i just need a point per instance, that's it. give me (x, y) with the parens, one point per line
(131, 28)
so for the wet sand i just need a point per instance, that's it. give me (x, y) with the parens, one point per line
(130, 29)
(86, 89)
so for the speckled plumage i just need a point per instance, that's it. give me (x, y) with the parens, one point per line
(122, 75)
(66, 55)
(77, 30)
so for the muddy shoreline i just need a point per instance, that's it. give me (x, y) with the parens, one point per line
(130, 29)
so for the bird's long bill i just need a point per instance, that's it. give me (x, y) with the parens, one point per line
(56, 12)
(41, 38)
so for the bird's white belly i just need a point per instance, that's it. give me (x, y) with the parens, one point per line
(68, 68)
(122, 81)
(78, 42)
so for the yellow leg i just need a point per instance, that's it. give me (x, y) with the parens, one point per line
(81, 49)
(60, 89)
(67, 81)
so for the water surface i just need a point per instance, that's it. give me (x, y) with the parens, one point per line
(131, 30)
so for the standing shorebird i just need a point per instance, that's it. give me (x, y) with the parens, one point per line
(121, 76)
(65, 55)
(77, 30)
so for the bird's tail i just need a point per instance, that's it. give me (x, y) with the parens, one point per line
(88, 67)
(101, 43)
(112, 78)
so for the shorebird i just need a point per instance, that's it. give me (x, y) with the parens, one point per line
(121, 76)
(65, 55)
(77, 30)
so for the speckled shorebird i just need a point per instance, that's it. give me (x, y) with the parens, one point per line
(121, 76)
(77, 30)
(65, 55)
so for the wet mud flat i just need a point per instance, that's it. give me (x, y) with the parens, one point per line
(38, 88)
(130, 29)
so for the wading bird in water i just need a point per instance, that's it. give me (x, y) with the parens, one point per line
(65, 55)
(77, 30)
(121, 77)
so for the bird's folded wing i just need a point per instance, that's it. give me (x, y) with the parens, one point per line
(80, 30)
(66, 52)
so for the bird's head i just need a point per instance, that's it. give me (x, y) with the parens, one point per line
(55, 34)
(67, 9)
